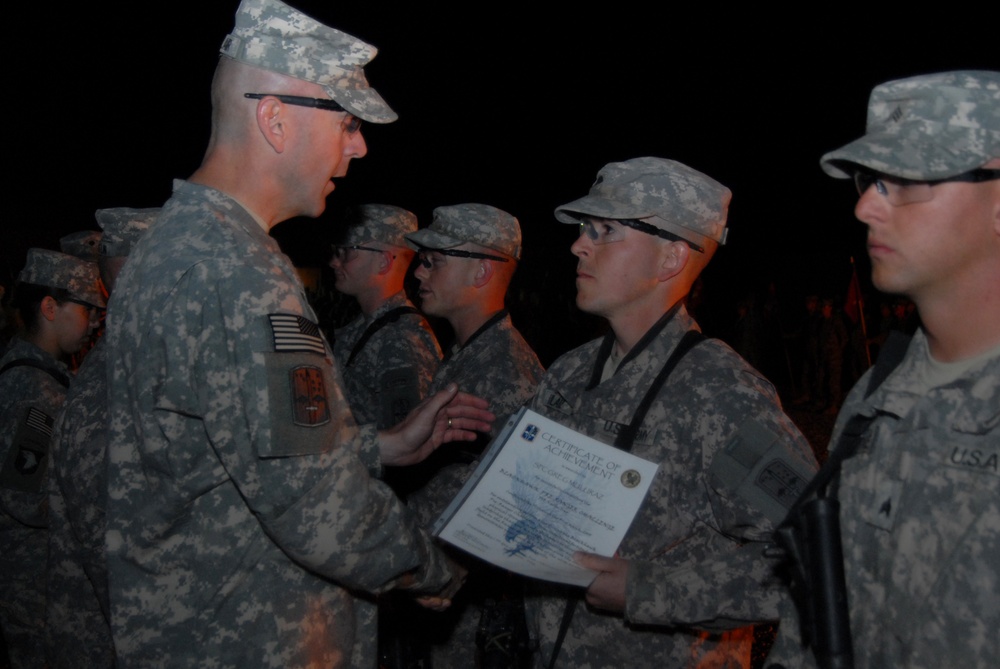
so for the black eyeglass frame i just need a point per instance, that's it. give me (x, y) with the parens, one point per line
(865, 178)
(454, 253)
(314, 103)
(649, 229)
(357, 247)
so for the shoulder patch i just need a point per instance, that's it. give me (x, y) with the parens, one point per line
(295, 334)
(27, 459)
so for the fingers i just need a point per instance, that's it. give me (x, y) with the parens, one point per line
(434, 603)
(594, 562)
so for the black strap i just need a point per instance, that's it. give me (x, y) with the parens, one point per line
(390, 316)
(56, 374)
(624, 441)
(626, 437)
(892, 353)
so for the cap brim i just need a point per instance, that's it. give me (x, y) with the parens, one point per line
(365, 103)
(905, 155)
(597, 207)
(430, 239)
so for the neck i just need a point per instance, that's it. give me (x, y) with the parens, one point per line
(371, 300)
(236, 176)
(630, 326)
(964, 326)
(467, 323)
(47, 343)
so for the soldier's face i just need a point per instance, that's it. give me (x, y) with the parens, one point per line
(325, 148)
(615, 279)
(940, 247)
(74, 323)
(446, 286)
(354, 269)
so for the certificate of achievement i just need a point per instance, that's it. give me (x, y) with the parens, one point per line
(541, 492)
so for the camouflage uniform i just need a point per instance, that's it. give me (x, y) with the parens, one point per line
(78, 632)
(242, 513)
(29, 401)
(697, 573)
(393, 370)
(920, 517)
(497, 365)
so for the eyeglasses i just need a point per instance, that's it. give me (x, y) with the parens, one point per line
(353, 124)
(901, 191)
(92, 310)
(423, 256)
(345, 253)
(605, 232)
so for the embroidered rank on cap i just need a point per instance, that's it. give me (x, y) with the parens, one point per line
(295, 334)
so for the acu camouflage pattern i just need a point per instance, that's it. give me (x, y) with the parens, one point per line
(380, 223)
(661, 192)
(122, 227)
(24, 459)
(497, 365)
(474, 223)
(698, 576)
(78, 628)
(393, 370)
(271, 35)
(235, 536)
(84, 245)
(60, 270)
(933, 126)
(920, 522)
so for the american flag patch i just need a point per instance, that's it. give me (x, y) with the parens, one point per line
(295, 334)
(40, 421)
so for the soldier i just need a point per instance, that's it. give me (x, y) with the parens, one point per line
(388, 354)
(467, 259)
(691, 575)
(59, 298)
(77, 612)
(244, 519)
(920, 499)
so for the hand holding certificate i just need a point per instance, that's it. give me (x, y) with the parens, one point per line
(542, 492)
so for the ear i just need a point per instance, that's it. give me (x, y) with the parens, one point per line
(483, 274)
(995, 165)
(271, 122)
(385, 262)
(673, 259)
(48, 308)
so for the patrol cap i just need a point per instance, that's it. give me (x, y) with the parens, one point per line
(661, 192)
(271, 35)
(481, 224)
(929, 127)
(123, 226)
(379, 223)
(60, 270)
(83, 244)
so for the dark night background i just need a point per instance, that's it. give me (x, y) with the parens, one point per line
(516, 105)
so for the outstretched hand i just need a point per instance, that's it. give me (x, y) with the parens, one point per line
(608, 589)
(445, 416)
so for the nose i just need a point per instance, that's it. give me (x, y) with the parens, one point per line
(94, 320)
(357, 147)
(582, 246)
(421, 272)
(335, 261)
(871, 206)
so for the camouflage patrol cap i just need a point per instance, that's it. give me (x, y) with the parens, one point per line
(929, 127)
(61, 270)
(271, 35)
(470, 223)
(662, 192)
(84, 244)
(123, 226)
(379, 223)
